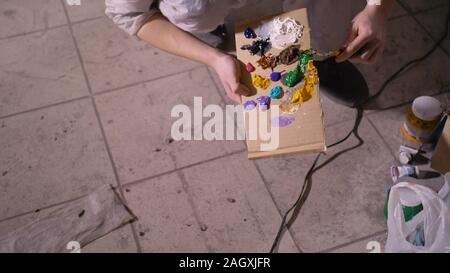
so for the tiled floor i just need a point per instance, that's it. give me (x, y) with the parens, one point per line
(82, 105)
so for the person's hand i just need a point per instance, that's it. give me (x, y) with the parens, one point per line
(367, 36)
(229, 71)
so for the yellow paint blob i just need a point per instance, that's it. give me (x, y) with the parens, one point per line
(261, 82)
(306, 92)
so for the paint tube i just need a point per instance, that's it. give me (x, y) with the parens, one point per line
(406, 154)
(402, 171)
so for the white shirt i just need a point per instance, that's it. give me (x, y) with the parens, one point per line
(196, 16)
(329, 19)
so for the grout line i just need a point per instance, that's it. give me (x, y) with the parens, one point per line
(185, 186)
(136, 238)
(402, 5)
(331, 125)
(142, 180)
(197, 67)
(51, 28)
(375, 111)
(59, 204)
(276, 206)
(97, 94)
(414, 12)
(413, 15)
(80, 59)
(382, 138)
(86, 20)
(354, 241)
(105, 140)
(41, 209)
(379, 133)
(44, 107)
(218, 90)
(91, 93)
(33, 32)
(397, 17)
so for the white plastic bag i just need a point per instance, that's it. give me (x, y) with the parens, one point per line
(435, 218)
(444, 193)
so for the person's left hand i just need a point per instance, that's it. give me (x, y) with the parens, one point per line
(367, 37)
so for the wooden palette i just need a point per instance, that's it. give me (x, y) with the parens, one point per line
(306, 133)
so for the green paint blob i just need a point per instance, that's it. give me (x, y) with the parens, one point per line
(295, 76)
(304, 59)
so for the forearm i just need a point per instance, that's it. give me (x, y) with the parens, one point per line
(162, 34)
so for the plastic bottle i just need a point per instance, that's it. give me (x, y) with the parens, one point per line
(422, 119)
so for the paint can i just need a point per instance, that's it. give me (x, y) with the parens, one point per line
(422, 119)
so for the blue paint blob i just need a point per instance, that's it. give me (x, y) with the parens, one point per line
(275, 76)
(276, 93)
(264, 103)
(249, 105)
(249, 33)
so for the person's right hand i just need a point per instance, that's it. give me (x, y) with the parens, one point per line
(229, 71)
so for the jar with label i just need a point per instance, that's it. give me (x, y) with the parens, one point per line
(422, 119)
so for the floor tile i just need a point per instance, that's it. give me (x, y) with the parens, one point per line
(347, 196)
(234, 206)
(138, 123)
(87, 10)
(367, 245)
(21, 16)
(335, 113)
(39, 69)
(114, 59)
(406, 41)
(420, 5)
(255, 9)
(434, 22)
(166, 220)
(49, 156)
(118, 241)
(389, 123)
(397, 10)
(9, 225)
(220, 87)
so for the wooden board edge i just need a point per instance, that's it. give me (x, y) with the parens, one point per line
(314, 148)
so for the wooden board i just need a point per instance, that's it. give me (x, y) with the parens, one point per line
(441, 158)
(306, 133)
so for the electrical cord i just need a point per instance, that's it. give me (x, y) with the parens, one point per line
(307, 183)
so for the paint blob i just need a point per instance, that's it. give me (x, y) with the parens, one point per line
(283, 121)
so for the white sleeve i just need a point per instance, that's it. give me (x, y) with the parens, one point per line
(129, 15)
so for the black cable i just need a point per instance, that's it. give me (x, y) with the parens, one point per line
(309, 174)
(408, 64)
(360, 113)
(283, 221)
